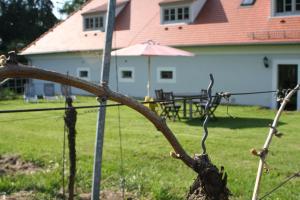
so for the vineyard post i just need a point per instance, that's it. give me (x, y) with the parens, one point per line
(109, 28)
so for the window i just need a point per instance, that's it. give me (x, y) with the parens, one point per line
(286, 7)
(83, 73)
(247, 2)
(17, 85)
(186, 13)
(178, 14)
(166, 75)
(93, 23)
(126, 74)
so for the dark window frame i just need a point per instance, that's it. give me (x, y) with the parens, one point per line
(176, 14)
(166, 74)
(286, 7)
(83, 73)
(95, 22)
(127, 74)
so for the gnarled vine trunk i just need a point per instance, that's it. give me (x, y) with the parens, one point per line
(70, 120)
(210, 183)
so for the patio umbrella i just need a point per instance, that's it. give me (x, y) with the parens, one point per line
(149, 49)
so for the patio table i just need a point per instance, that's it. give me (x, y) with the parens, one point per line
(187, 97)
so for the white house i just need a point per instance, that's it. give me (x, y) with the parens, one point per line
(247, 45)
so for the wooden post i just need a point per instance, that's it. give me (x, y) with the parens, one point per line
(272, 132)
(109, 28)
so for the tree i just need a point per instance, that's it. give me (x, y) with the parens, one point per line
(22, 21)
(70, 7)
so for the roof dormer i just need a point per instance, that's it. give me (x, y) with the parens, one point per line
(94, 18)
(180, 11)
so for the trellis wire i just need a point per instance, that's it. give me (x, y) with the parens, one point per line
(120, 104)
(64, 147)
(122, 181)
(281, 184)
(31, 118)
(64, 157)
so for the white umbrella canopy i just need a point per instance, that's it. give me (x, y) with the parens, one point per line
(149, 49)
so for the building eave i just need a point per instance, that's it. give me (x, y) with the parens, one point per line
(58, 52)
(179, 46)
(239, 44)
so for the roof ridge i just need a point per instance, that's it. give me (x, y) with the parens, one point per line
(55, 26)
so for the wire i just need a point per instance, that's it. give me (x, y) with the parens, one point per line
(63, 108)
(144, 27)
(281, 184)
(144, 102)
(31, 118)
(53, 109)
(119, 128)
(249, 93)
(64, 155)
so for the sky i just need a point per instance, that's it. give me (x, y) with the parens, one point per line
(57, 5)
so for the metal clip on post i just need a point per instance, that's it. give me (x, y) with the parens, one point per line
(207, 109)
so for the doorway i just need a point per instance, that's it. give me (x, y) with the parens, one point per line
(288, 78)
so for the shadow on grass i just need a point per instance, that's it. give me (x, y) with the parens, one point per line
(233, 122)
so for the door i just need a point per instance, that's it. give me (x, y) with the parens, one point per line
(287, 79)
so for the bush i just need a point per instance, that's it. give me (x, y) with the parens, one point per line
(7, 94)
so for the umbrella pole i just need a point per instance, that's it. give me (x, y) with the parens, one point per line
(149, 77)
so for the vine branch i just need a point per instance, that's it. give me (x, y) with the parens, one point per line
(12, 70)
(273, 131)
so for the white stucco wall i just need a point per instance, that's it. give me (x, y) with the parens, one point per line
(236, 69)
(67, 63)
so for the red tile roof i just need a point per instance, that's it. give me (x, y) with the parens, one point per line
(103, 7)
(220, 22)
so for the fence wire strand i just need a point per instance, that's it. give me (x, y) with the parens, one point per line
(281, 185)
(223, 94)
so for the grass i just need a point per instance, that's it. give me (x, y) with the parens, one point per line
(149, 171)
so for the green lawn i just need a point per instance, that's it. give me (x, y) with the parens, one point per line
(149, 170)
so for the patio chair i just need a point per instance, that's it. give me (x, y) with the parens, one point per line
(29, 93)
(172, 109)
(214, 105)
(66, 91)
(49, 92)
(159, 94)
(201, 102)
